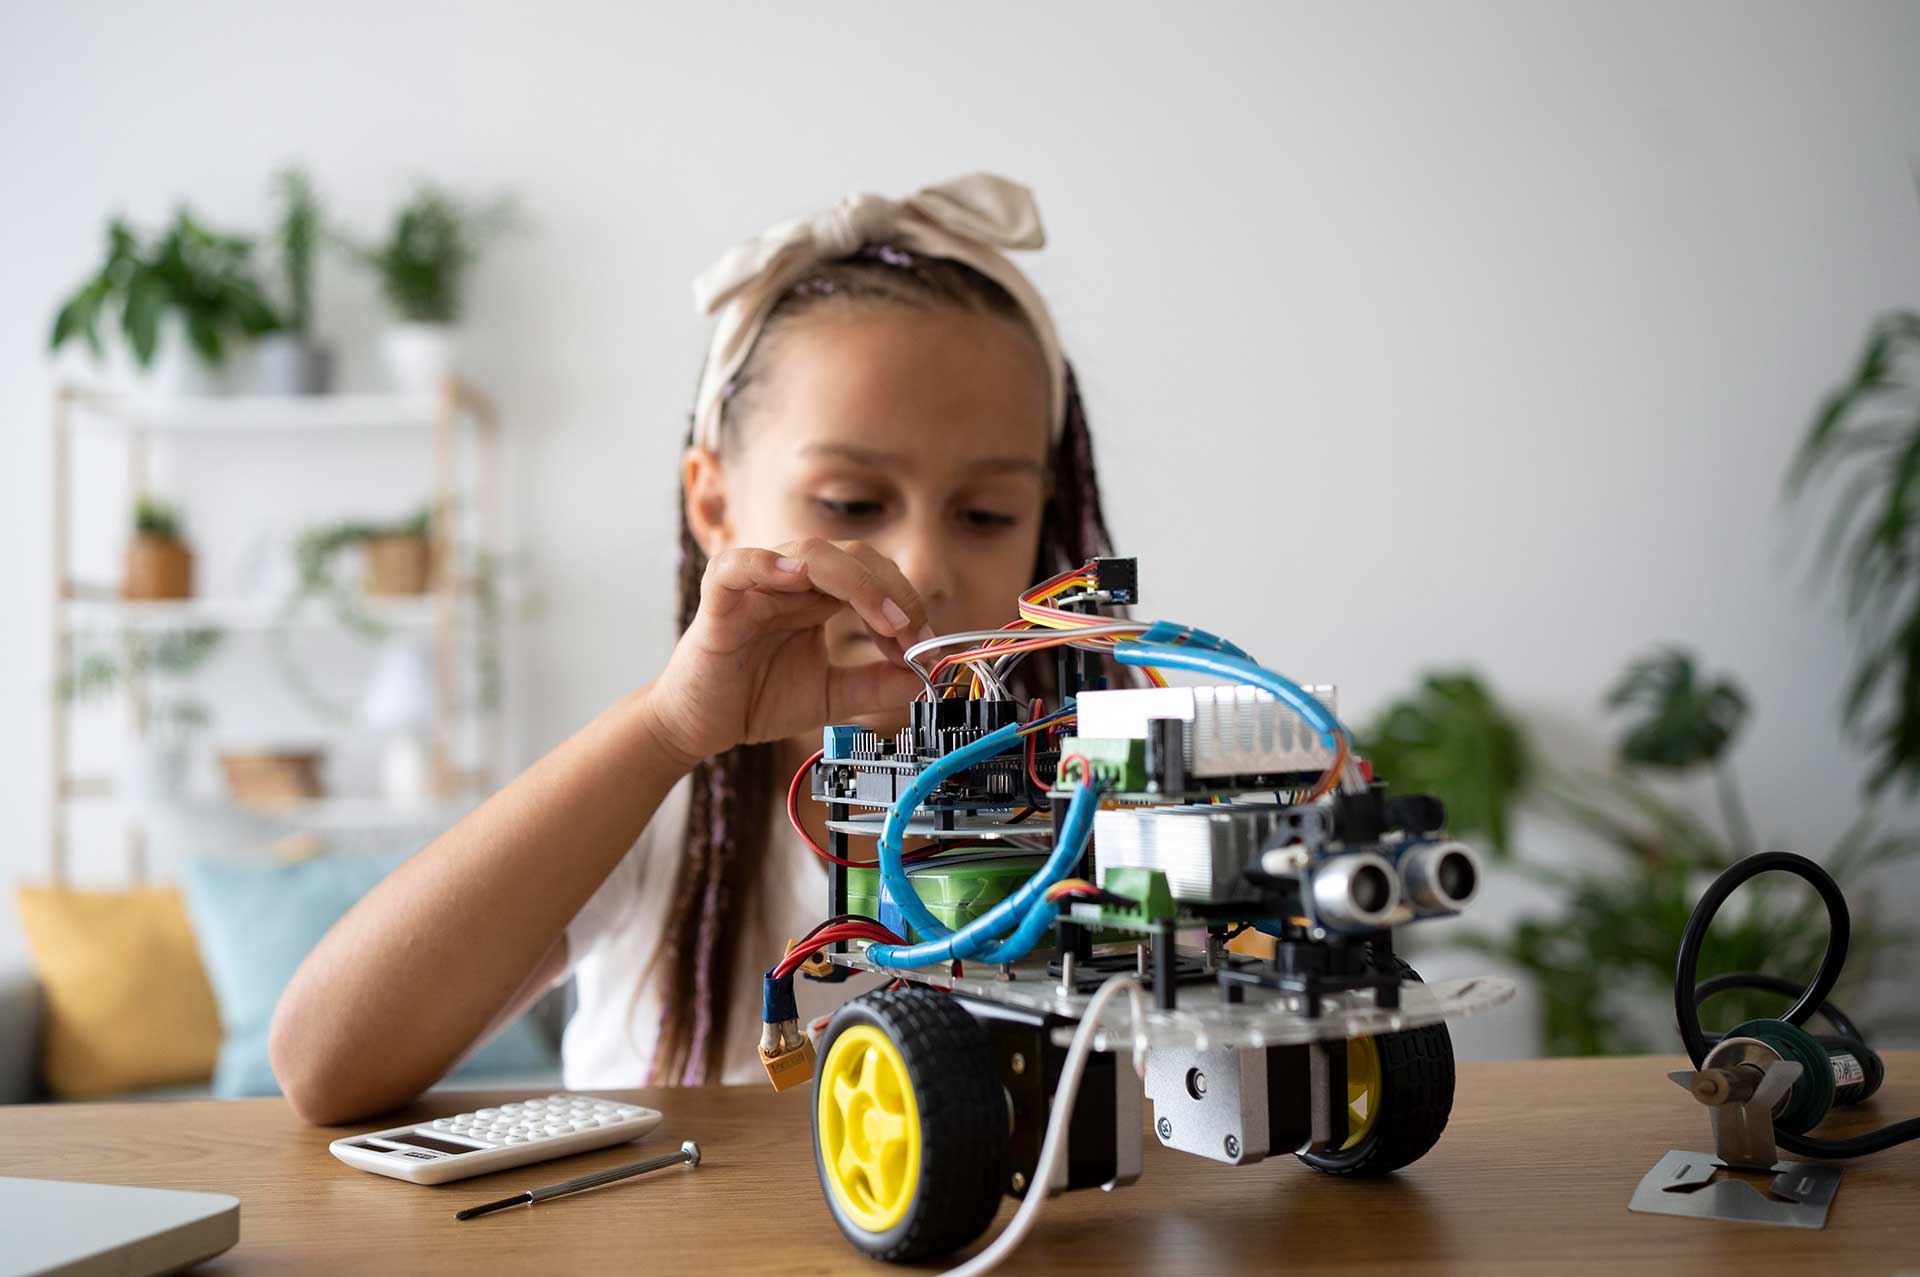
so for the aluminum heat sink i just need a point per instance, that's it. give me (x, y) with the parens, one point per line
(1231, 730)
(1202, 849)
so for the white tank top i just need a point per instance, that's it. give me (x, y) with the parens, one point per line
(609, 1042)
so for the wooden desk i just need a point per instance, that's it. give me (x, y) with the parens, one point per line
(1533, 1175)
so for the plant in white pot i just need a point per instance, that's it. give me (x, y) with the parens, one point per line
(291, 361)
(186, 300)
(155, 767)
(422, 265)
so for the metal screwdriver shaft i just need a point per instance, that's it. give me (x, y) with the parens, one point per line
(689, 1153)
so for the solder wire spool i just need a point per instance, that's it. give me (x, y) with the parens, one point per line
(1817, 1091)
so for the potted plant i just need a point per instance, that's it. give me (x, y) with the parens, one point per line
(155, 769)
(291, 361)
(272, 777)
(421, 265)
(400, 557)
(184, 299)
(159, 562)
(397, 561)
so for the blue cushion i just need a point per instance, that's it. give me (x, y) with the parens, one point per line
(256, 920)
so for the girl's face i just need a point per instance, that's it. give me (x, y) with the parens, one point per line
(923, 433)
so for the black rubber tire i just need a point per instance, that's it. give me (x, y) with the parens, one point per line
(1416, 1083)
(963, 1122)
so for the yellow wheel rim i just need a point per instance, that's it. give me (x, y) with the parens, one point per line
(869, 1128)
(1363, 1089)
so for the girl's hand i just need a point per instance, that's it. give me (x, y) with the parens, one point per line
(753, 665)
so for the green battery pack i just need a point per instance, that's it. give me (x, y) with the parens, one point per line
(956, 887)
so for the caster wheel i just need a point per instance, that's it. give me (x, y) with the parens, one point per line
(909, 1124)
(1399, 1095)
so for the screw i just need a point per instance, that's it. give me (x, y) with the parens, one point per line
(1019, 1181)
(1233, 1146)
(1165, 1128)
(1018, 1063)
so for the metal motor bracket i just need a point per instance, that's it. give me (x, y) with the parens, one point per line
(1742, 1082)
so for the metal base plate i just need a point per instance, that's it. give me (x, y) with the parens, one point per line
(1268, 1017)
(1683, 1183)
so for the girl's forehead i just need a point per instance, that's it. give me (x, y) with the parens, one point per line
(885, 385)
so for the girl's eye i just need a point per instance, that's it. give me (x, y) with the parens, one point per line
(987, 520)
(850, 510)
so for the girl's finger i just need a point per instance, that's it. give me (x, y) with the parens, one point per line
(898, 588)
(739, 570)
(863, 578)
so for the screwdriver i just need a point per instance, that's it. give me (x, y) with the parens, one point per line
(689, 1153)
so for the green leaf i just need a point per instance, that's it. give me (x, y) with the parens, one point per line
(205, 337)
(146, 301)
(1684, 722)
(1451, 738)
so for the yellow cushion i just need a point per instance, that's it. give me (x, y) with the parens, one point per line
(128, 1003)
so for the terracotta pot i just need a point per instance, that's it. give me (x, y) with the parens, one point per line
(158, 568)
(265, 778)
(398, 564)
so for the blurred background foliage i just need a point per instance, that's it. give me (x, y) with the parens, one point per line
(1603, 957)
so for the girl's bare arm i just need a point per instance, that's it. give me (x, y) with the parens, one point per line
(428, 960)
(467, 926)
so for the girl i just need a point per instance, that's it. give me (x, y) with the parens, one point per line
(886, 443)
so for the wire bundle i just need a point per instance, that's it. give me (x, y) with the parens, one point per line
(1011, 928)
(983, 669)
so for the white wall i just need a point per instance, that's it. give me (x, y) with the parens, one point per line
(1412, 334)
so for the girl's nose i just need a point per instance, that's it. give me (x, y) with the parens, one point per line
(924, 555)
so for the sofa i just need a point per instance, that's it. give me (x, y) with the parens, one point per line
(22, 1021)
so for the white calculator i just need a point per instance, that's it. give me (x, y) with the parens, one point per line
(494, 1139)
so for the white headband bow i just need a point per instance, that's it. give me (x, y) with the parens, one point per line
(969, 219)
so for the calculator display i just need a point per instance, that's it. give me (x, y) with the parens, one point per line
(419, 1140)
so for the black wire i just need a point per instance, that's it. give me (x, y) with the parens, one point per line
(1688, 993)
(1844, 1029)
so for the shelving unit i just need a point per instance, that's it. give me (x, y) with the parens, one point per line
(463, 431)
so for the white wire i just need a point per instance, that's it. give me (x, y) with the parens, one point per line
(982, 636)
(1053, 1149)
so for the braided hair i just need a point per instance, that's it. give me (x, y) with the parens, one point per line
(732, 792)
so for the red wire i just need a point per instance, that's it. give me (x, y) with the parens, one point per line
(793, 818)
(826, 939)
(1033, 771)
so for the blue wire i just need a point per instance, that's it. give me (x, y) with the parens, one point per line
(1028, 904)
(893, 834)
(1240, 670)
